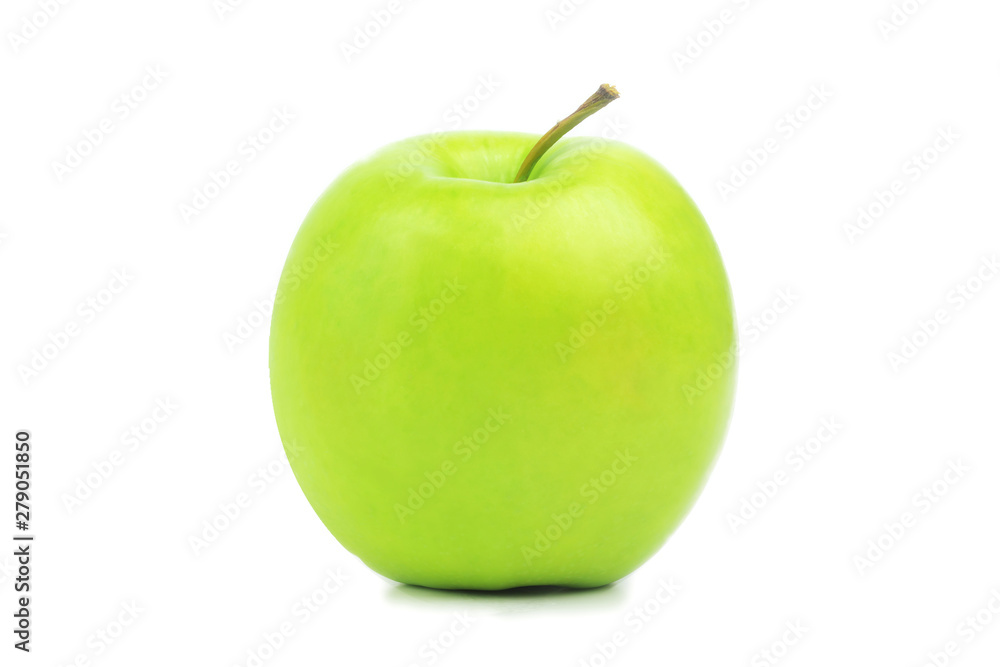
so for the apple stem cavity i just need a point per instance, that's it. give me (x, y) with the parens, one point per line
(604, 96)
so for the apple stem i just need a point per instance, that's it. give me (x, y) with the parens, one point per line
(604, 96)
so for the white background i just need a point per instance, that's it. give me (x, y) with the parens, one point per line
(856, 299)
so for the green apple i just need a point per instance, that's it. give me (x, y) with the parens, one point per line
(488, 376)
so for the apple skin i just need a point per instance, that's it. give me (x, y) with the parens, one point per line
(427, 298)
